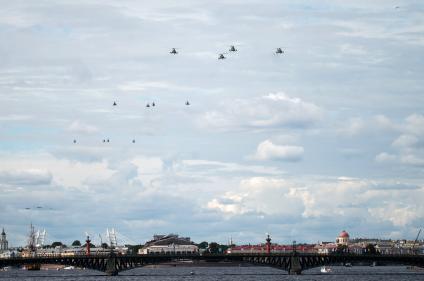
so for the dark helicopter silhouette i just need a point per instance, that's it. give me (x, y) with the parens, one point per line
(147, 105)
(153, 104)
(221, 57)
(114, 103)
(75, 141)
(173, 51)
(279, 51)
(133, 141)
(232, 49)
(187, 103)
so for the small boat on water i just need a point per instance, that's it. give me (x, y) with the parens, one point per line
(325, 269)
(69, 267)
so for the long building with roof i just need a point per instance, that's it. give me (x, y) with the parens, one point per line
(169, 244)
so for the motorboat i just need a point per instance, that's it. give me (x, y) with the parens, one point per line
(69, 267)
(325, 269)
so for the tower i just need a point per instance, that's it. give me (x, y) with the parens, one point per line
(87, 245)
(4, 245)
(268, 244)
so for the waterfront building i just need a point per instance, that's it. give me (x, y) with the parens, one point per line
(273, 249)
(343, 238)
(169, 244)
(325, 248)
(4, 245)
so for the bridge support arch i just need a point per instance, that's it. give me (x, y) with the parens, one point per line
(295, 266)
(111, 263)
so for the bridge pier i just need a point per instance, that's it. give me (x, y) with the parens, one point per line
(111, 269)
(295, 267)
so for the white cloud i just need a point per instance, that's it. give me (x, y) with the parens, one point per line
(398, 216)
(80, 127)
(405, 141)
(25, 177)
(409, 144)
(385, 157)
(270, 111)
(269, 151)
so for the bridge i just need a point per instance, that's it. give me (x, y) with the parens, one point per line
(293, 263)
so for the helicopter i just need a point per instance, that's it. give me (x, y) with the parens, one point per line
(279, 51)
(75, 141)
(133, 141)
(153, 104)
(173, 51)
(114, 103)
(221, 57)
(232, 49)
(147, 105)
(187, 103)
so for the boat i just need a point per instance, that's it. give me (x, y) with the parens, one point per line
(69, 267)
(348, 264)
(325, 269)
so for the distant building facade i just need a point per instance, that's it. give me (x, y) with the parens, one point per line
(169, 244)
(343, 238)
(4, 245)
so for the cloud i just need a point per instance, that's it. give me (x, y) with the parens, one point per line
(385, 157)
(409, 145)
(269, 151)
(269, 111)
(25, 177)
(80, 127)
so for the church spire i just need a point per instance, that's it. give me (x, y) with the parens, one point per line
(3, 233)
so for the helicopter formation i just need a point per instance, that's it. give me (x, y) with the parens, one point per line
(221, 56)
(153, 104)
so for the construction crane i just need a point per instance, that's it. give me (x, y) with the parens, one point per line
(415, 242)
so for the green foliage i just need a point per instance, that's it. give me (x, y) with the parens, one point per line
(57, 244)
(342, 249)
(76, 243)
(91, 245)
(213, 248)
(370, 249)
(133, 249)
(203, 245)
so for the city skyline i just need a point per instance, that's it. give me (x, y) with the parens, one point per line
(326, 136)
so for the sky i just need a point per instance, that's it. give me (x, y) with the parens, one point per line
(328, 136)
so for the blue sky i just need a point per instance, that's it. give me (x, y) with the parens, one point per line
(328, 136)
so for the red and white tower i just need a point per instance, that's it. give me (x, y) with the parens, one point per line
(268, 244)
(87, 245)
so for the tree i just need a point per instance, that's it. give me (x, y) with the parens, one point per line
(203, 245)
(370, 249)
(91, 245)
(57, 244)
(342, 249)
(76, 243)
(213, 248)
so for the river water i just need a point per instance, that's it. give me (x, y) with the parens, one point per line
(356, 273)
